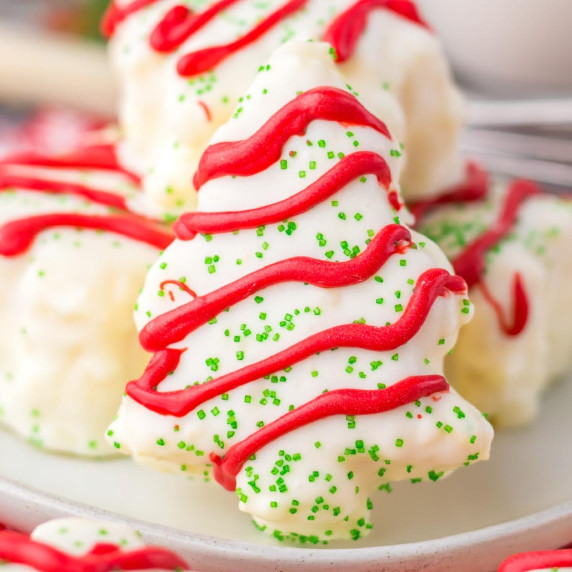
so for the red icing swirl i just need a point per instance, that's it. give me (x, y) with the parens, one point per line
(17, 236)
(16, 548)
(180, 23)
(101, 157)
(115, 16)
(475, 187)
(264, 148)
(540, 560)
(337, 402)
(347, 170)
(470, 264)
(431, 285)
(346, 30)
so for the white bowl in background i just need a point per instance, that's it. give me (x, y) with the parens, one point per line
(513, 47)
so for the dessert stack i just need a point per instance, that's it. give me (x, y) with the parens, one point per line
(296, 316)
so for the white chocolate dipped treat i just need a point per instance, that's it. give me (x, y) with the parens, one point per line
(184, 65)
(330, 268)
(72, 261)
(79, 545)
(513, 248)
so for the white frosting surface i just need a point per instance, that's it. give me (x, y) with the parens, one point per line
(68, 344)
(398, 68)
(503, 375)
(312, 484)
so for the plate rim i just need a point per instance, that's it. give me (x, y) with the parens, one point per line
(194, 545)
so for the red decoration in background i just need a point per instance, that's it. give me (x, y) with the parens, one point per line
(180, 23)
(18, 548)
(347, 29)
(541, 560)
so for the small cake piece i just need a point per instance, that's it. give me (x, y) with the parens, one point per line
(77, 545)
(72, 261)
(541, 561)
(183, 67)
(513, 249)
(299, 329)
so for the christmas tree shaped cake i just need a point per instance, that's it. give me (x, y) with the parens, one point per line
(298, 326)
(76, 545)
(72, 260)
(513, 248)
(183, 67)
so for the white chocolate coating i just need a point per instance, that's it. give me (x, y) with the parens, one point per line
(398, 68)
(505, 375)
(425, 440)
(68, 343)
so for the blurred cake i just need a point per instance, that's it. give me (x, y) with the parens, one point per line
(73, 257)
(512, 246)
(76, 545)
(183, 68)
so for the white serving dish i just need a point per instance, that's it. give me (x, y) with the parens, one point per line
(518, 47)
(520, 500)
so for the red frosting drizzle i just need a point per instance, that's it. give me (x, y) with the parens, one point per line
(347, 170)
(474, 188)
(346, 30)
(9, 182)
(102, 157)
(116, 15)
(470, 264)
(17, 548)
(179, 24)
(174, 326)
(540, 560)
(431, 285)
(208, 58)
(520, 309)
(18, 235)
(264, 148)
(337, 402)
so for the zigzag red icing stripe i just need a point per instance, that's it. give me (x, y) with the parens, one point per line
(470, 264)
(115, 15)
(180, 23)
(346, 30)
(264, 148)
(17, 236)
(102, 157)
(337, 402)
(475, 187)
(17, 548)
(432, 284)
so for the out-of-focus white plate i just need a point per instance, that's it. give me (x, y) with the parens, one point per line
(520, 500)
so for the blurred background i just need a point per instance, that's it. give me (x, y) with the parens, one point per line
(512, 58)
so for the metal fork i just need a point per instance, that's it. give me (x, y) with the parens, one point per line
(529, 138)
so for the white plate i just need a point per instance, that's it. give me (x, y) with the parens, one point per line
(520, 500)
